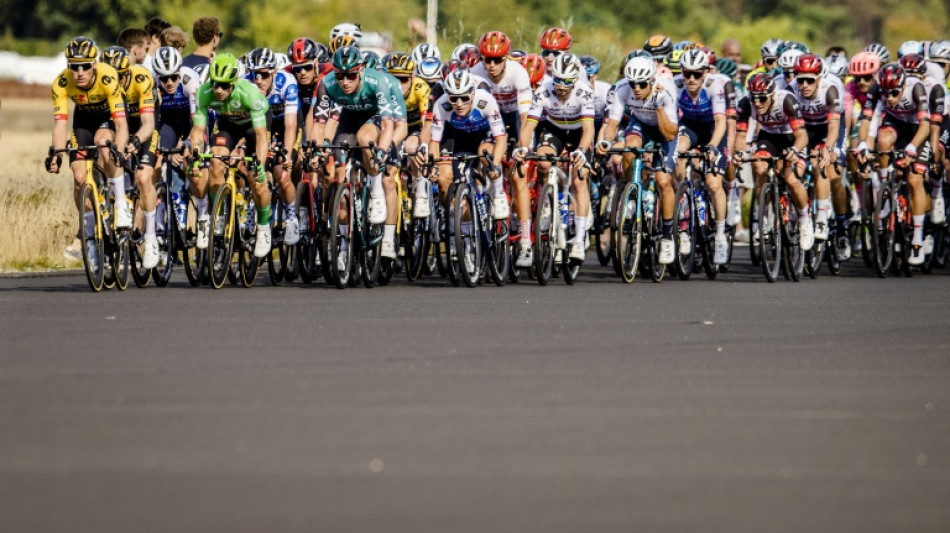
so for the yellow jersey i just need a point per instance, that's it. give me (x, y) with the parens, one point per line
(141, 95)
(104, 96)
(417, 102)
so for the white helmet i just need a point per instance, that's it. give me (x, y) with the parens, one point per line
(457, 52)
(281, 60)
(694, 60)
(910, 47)
(430, 69)
(347, 28)
(787, 59)
(460, 81)
(837, 65)
(202, 70)
(640, 69)
(940, 50)
(167, 61)
(424, 51)
(566, 66)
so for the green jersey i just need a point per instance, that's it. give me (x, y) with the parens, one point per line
(245, 105)
(374, 97)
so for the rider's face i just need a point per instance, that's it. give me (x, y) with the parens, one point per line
(349, 81)
(461, 104)
(642, 90)
(264, 79)
(305, 73)
(83, 73)
(495, 66)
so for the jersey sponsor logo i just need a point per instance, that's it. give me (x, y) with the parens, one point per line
(481, 104)
(140, 78)
(186, 79)
(258, 105)
(235, 104)
(446, 106)
(108, 80)
(291, 93)
(63, 81)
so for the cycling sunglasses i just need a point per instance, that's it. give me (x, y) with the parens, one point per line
(894, 93)
(641, 84)
(348, 76)
(563, 82)
(460, 99)
(551, 53)
(302, 68)
(166, 79)
(691, 75)
(76, 67)
(493, 59)
(866, 77)
(806, 81)
(761, 98)
(223, 85)
(262, 74)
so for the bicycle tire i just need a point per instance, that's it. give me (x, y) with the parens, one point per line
(793, 253)
(306, 253)
(162, 274)
(140, 275)
(543, 244)
(628, 234)
(705, 238)
(93, 259)
(122, 261)
(730, 238)
(336, 242)
(465, 204)
(754, 247)
(770, 231)
(602, 234)
(882, 234)
(684, 215)
(570, 268)
(220, 255)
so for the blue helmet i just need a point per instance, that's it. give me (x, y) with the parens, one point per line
(591, 65)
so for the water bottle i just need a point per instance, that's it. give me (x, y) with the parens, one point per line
(700, 207)
(480, 200)
(649, 201)
(561, 230)
(180, 210)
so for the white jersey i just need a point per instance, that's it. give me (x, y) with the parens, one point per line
(935, 73)
(283, 96)
(663, 97)
(485, 116)
(601, 90)
(568, 114)
(513, 92)
(824, 105)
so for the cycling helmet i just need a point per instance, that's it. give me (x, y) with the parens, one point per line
(303, 50)
(82, 50)
(452, 66)
(202, 71)
(807, 64)
(891, 76)
(494, 44)
(370, 59)
(795, 45)
(224, 68)
(566, 67)
(167, 61)
(457, 52)
(591, 65)
(282, 60)
(865, 64)
(517, 54)
(837, 65)
(340, 41)
(347, 58)
(640, 69)
(118, 57)
(347, 28)
(914, 64)
(424, 51)
(694, 60)
(261, 59)
(637, 53)
(459, 82)
(881, 51)
(727, 67)
(430, 69)
(788, 58)
(658, 46)
(772, 48)
(672, 60)
(535, 66)
(556, 39)
(399, 64)
(684, 45)
(470, 57)
(761, 83)
(940, 51)
(910, 47)
(710, 55)
(323, 53)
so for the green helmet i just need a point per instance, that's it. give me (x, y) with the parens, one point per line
(347, 58)
(370, 59)
(224, 68)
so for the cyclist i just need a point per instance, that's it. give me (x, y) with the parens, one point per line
(242, 114)
(770, 52)
(93, 86)
(141, 96)
(601, 88)
(416, 94)
(355, 105)
(940, 54)
(658, 46)
(703, 108)
(308, 63)
(819, 100)
(651, 101)
(781, 132)
(563, 114)
(280, 90)
(476, 122)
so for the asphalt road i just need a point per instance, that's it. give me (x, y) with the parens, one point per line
(734, 405)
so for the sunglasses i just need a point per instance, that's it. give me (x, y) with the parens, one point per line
(302, 68)
(641, 84)
(348, 76)
(76, 67)
(263, 74)
(223, 85)
(693, 75)
(460, 99)
(867, 78)
(403, 80)
(563, 82)
(769, 60)
(166, 79)
(551, 53)
(894, 93)
(806, 81)
(760, 98)
(494, 60)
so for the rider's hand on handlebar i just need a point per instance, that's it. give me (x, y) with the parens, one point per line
(578, 158)
(52, 162)
(519, 153)
(602, 147)
(421, 155)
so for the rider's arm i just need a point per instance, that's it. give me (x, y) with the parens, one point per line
(833, 105)
(923, 114)
(720, 105)
(60, 112)
(323, 109)
(291, 106)
(535, 113)
(666, 114)
(743, 114)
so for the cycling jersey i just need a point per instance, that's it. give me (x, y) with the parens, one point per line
(702, 109)
(282, 96)
(396, 98)
(568, 114)
(663, 97)
(601, 90)
(823, 106)
(140, 95)
(374, 96)
(244, 106)
(912, 106)
(513, 92)
(417, 103)
(103, 97)
(783, 118)
(485, 116)
(178, 107)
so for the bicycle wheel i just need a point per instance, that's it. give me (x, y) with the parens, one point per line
(705, 238)
(340, 241)
(627, 233)
(814, 258)
(371, 259)
(140, 275)
(793, 254)
(467, 239)
(684, 229)
(91, 232)
(730, 238)
(570, 268)
(167, 235)
(222, 235)
(883, 222)
(277, 258)
(416, 243)
(754, 246)
(122, 261)
(831, 253)
(247, 265)
(601, 230)
(544, 235)
(450, 259)
(770, 231)
(307, 248)
(195, 259)
(903, 232)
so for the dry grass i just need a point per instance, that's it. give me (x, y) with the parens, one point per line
(37, 214)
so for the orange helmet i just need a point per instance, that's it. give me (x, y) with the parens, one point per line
(494, 44)
(556, 39)
(534, 64)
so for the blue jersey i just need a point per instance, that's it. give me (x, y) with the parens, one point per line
(710, 102)
(484, 116)
(283, 97)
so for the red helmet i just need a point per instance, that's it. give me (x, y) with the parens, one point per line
(891, 76)
(451, 66)
(864, 64)
(470, 57)
(807, 64)
(534, 64)
(914, 64)
(761, 83)
(710, 54)
(556, 39)
(494, 44)
(303, 50)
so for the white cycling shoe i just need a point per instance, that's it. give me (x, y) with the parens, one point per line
(123, 216)
(721, 254)
(525, 257)
(939, 210)
(262, 245)
(578, 251)
(821, 231)
(377, 210)
(916, 255)
(420, 206)
(388, 250)
(291, 231)
(150, 252)
(500, 210)
(806, 233)
(666, 251)
(201, 236)
(733, 211)
(684, 243)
